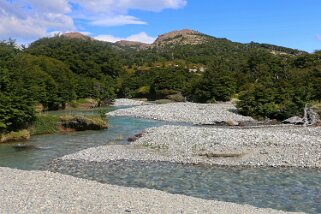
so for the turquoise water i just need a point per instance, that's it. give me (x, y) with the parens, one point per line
(290, 189)
(53, 146)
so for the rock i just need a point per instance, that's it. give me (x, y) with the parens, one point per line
(135, 137)
(132, 139)
(25, 146)
(294, 120)
(231, 122)
(139, 135)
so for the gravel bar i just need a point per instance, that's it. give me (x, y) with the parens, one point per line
(185, 112)
(129, 102)
(46, 192)
(260, 147)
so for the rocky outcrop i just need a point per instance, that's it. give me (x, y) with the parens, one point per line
(181, 37)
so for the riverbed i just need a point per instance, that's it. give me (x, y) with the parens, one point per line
(287, 189)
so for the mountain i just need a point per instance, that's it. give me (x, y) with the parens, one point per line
(188, 48)
(131, 44)
(180, 37)
(173, 38)
(77, 35)
(187, 37)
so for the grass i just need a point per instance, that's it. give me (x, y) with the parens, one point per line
(50, 124)
(45, 124)
(84, 103)
(81, 123)
(22, 135)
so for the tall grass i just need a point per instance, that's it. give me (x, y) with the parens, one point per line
(45, 124)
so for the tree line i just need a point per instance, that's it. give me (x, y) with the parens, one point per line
(55, 71)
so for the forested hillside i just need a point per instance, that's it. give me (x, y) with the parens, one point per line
(270, 81)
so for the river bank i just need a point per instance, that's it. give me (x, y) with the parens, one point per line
(50, 124)
(46, 192)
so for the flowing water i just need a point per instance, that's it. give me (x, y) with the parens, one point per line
(290, 189)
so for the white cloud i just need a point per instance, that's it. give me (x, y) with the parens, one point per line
(140, 37)
(121, 6)
(27, 20)
(108, 38)
(117, 20)
(318, 37)
(115, 12)
(21, 29)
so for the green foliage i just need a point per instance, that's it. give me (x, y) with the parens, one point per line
(16, 112)
(218, 83)
(89, 58)
(54, 71)
(45, 124)
(168, 81)
(16, 109)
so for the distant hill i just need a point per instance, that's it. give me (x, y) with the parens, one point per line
(131, 44)
(76, 35)
(186, 48)
(187, 37)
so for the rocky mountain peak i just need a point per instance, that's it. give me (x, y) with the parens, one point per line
(182, 37)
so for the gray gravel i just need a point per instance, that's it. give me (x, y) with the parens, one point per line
(129, 102)
(45, 192)
(185, 112)
(272, 146)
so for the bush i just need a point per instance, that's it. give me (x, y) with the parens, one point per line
(269, 101)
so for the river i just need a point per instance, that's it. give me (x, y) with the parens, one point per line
(290, 189)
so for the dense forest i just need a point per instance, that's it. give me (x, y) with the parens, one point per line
(269, 81)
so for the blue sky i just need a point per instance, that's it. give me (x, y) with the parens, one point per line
(290, 23)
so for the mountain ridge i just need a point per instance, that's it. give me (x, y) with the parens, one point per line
(182, 38)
